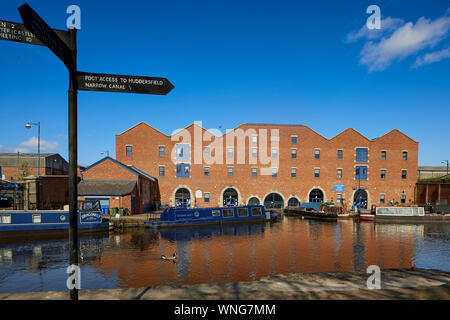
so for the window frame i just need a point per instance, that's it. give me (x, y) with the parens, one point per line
(227, 210)
(339, 170)
(274, 172)
(362, 154)
(316, 173)
(405, 176)
(317, 153)
(129, 152)
(180, 146)
(5, 217)
(230, 171)
(183, 167)
(254, 154)
(242, 209)
(274, 155)
(33, 216)
(163, 151)
(360, 175)
(207, 155)
(256, 209)
(293, 172)
(293, 153)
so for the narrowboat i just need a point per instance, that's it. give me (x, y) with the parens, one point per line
(178, 217)
(407, 214)
(366, 217)
(32, 222)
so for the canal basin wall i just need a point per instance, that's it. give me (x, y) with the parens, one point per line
(396, 284)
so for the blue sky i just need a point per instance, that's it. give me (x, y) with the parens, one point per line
(233, 62)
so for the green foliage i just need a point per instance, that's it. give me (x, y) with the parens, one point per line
(435, 180)
(24, 170)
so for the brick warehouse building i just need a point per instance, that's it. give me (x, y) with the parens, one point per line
(50, 164)
(118, 185)
(274, 165)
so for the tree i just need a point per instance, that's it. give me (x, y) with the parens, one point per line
(24, 170)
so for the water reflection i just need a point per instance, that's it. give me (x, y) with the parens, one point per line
(223, 253)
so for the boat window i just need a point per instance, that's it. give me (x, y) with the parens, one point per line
(228, 213)
(242, 212)
(216, 213)
(386, 210)
(36, 218)
(256, 211)
(5, 219)
(405, 211)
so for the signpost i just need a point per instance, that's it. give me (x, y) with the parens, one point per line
(43, 32)
(64, 45)
(17, 32)
(119, 83)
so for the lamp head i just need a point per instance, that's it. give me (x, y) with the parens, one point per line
(28, 125)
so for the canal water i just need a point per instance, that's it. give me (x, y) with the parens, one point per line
(222, 254)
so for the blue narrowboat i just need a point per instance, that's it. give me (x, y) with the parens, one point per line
(177, 217)
(13, 222)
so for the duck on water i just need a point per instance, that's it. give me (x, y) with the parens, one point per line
(174, 257)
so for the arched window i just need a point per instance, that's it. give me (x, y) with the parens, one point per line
(274, 200)
(360, 198)
(253, 201)
(182, 198)
(316, 195)
(230, 197)
(293, 202)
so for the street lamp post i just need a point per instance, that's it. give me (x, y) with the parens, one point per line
(38, 124)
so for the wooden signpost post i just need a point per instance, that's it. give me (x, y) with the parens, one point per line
(64, 45)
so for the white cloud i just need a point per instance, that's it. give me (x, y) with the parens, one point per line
(400, 40)
(31, 146)
(432, 57)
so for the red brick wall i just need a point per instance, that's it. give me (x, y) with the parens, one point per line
(55, 191)
(9, 172)
(146, 195)
(145, 141)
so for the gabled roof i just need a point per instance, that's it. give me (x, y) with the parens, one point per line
(136, 171)
(268, 124)
(398, 132)
(103, 187)
(350, 131)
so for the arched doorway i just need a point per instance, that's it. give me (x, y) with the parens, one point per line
(274, 200)
(360, 198)
(230, 198)
(316, 195)
(293, 202)
(253, 201)
(182, 198)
